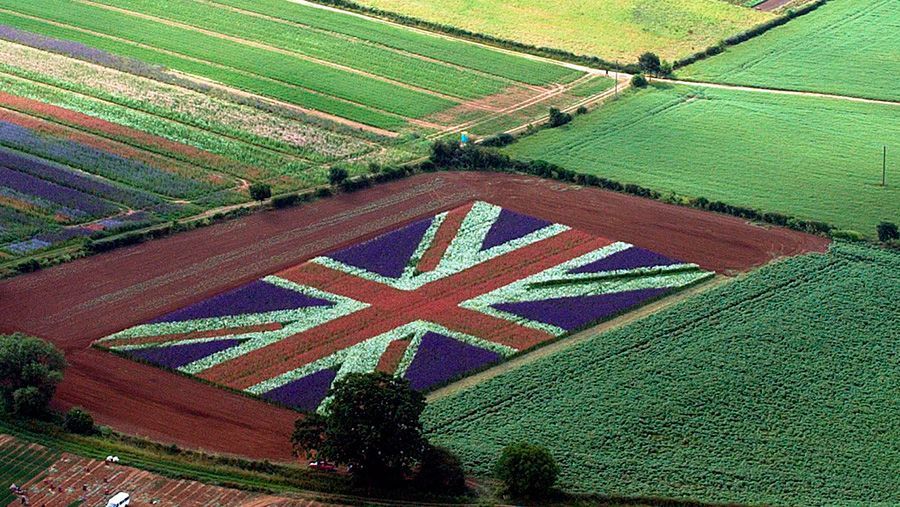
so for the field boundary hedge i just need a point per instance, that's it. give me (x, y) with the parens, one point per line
(562, 54)
(445, 156)
(542, 51)
(746, 35)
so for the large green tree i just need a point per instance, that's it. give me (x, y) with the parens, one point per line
(30, 370)
(371, 423)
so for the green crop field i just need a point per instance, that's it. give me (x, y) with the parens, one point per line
(777, 388)
(619, 30)
(382, 78)
(19, 463)
(813, 158)
(846, 47)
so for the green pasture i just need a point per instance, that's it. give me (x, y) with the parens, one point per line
(846, 47)
(812, 158)
(779, 388)
(614, 30)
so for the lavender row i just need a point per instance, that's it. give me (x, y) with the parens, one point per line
(64, 176)
(79, 51)
(27, 184)
(105, 164)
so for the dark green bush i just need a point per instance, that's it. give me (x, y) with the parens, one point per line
(337, 175)
(887, 231)
(638, 81)
(498, 141)
(260, 191)
(440, 471)
(285, 200)
(558, 118)
(526, 470)
(79, 421)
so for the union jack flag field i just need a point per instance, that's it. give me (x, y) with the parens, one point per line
(431, 302)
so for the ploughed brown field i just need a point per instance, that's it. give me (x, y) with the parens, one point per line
(76, 303)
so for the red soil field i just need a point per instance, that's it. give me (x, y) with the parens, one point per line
(71, 478)
(79, 302)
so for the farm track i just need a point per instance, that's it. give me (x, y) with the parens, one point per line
(778, 91)
(76, 303)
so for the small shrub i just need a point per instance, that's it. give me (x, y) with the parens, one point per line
(337, 175)
(260, 191)
(887, 231)
(638, 81)
(285, 201)
(440, 471)
(79, 421)
(28, 266)
(498, 140)
(527, 470)
(581, 110)
(847, 235)
(558, 118)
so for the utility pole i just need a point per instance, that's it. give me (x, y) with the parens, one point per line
(617, 78)
(884, 166)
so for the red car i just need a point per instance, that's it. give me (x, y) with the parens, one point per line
(323, 466)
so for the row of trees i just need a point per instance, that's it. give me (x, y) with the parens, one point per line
(371, 423)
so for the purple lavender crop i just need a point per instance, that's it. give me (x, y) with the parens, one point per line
(59, 174)
(387, 254)
(305, 393)
(255, 297)
(441, 359)
(105, 164)
(27, 184)
(570, 313)
(509, 226)
(79, 51)
(631, 258)
(176, 356)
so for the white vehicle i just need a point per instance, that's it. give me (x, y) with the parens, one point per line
(119, 500)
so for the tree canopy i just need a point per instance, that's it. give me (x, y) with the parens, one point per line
(526, 470)
(30, 370)
(370, 423)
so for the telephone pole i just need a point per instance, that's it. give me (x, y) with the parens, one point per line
(884, 166)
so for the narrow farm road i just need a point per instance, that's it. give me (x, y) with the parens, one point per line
(778, 91)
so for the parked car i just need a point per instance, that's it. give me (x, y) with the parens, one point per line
(323, 466)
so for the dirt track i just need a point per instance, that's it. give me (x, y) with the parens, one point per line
(76, 303)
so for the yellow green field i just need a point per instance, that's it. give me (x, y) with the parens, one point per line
(612, 29)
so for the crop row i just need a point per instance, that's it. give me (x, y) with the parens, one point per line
(65, 202)
(457, 52)
(369, 58)
(185, 106)
(221, 52)
(76, 180)
(222, 74)
(765, 390)
(239, 159)
(113, 167)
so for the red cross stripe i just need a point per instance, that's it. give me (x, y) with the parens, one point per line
(436, 302)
